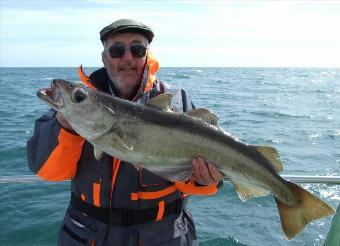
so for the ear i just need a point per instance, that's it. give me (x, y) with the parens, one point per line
(104, 58)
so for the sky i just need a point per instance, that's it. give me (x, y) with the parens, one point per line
(65, 33)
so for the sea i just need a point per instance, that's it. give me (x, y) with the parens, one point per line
(295, 110)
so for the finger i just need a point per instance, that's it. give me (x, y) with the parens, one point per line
(63, 122)
(138, 166)
(60, 117)
(195, 171)
(203, 170)
(217, 175)
(197, 174)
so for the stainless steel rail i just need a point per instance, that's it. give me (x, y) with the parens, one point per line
(293, 178)
(313, 179)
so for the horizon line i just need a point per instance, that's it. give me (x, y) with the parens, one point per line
(178, 67)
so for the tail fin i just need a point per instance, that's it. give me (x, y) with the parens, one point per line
(310, 207)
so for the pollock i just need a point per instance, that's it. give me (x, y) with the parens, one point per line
(165, 142)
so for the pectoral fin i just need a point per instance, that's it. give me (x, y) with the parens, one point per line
(97, 153)
(121, 138)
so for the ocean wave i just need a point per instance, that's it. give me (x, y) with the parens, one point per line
(178, 75)
(211, 240)
(46, 78)
(316, 135)
(196, 70)
(273, 114)
(331, 193)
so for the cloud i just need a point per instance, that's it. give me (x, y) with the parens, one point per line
(218, 33)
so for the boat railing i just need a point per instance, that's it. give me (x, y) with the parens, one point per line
(294, 178)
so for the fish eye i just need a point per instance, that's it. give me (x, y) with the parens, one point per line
(78, 95)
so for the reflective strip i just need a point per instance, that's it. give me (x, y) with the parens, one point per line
(62, 162)
(153, 66)
(84, 78)
(161, 206)
(149, 195)
(83, 198)
(116, 165)
(96, 194)
(134, 197)
(192, 189)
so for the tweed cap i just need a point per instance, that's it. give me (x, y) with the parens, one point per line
(126, 26)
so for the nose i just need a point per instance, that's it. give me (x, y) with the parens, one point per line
(127, 55)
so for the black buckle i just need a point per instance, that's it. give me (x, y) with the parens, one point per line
(125, 218)
(119, 216)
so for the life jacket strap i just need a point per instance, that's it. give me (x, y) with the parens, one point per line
(126, 217)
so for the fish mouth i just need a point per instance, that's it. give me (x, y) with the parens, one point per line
(52, 95)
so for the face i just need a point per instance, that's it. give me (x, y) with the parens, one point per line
(125, 72)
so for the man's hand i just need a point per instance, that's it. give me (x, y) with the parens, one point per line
(205, 173)
(63, 122)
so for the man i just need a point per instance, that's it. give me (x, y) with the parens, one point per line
(114, 202)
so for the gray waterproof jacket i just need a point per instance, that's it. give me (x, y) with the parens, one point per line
(112, 202)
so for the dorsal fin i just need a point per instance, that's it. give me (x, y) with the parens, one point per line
(204, 114)
(161, 102)
(271, 154)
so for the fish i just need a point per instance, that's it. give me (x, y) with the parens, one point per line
(165, 142)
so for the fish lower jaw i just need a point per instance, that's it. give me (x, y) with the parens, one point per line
(59, 105)
(47, 96)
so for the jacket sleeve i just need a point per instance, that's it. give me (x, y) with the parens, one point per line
(53, 152)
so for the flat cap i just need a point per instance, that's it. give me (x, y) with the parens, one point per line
(126, 26)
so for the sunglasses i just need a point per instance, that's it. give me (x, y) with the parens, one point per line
(118, 50)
